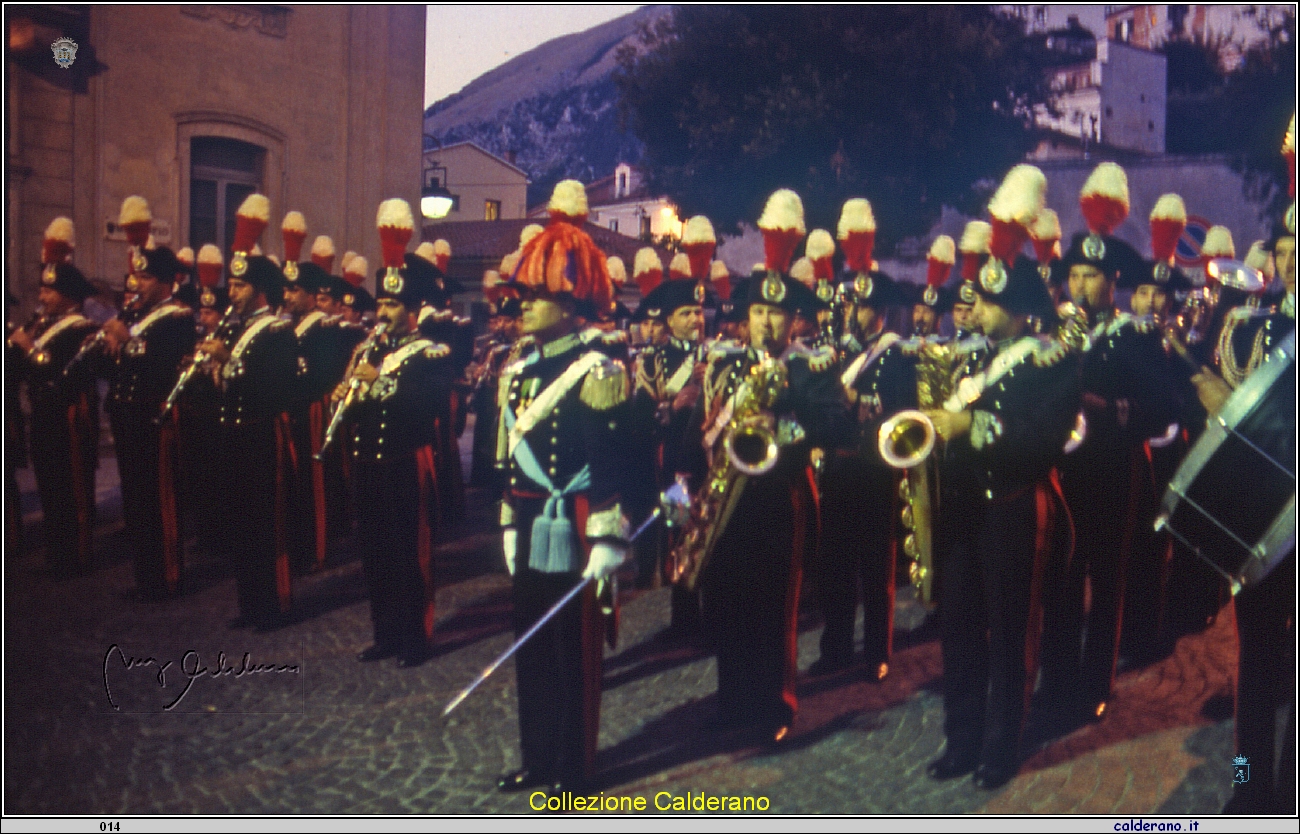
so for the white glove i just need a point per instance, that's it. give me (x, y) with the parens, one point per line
(605, 559)
(510, 543)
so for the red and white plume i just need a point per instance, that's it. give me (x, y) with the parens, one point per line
(492, 285)
(425, 251)
(1168, 220)
(441, 254)
(346, 259)
(209, 265)
(782, 228)
(322, 253)
(679, 268)
(938, 264)
(857, 234)
(974, 248)
(617, 271)
(529, 232)
(802, 271)
(135, 218)
(720, 276)
(60, 240)
(509, 263)
(396, 224)
(1218, 244)
(294, 231)
(354, 271)
(647, 270)
(1045, 234)
(1015, 205)
(250, 220)
(699, 243)
(1104, 198)
(820, 249)
(185, 256)
(563, 257)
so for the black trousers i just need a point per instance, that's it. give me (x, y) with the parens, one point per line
(255, 489)
(749, 591)
(394, 539)
(856, 556)
(138, 442)
(988, 637)
(65, 454)
(1265, 677)
(1098, 490)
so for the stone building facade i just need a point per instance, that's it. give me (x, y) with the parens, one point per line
(192, 107)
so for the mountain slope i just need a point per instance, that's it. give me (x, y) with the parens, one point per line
(555, 107)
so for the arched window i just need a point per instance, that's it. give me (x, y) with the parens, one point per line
(223, 172)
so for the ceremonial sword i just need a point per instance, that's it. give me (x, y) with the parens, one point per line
(555, 609)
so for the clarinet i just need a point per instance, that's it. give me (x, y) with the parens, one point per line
(354, 391)
(199, 358)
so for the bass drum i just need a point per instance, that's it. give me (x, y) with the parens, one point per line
(1232, 502)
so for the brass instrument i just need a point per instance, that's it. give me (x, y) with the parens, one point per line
(91, 344)
(32, 321)
(354, 390)
(749, 448)
(199, 359)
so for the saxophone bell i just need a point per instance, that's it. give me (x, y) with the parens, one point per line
(906, 439)
(752, 450)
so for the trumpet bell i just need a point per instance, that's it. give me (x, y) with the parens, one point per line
(906, 439)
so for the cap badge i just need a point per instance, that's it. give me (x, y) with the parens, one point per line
(349, 299)
(699, 293)
(138, 263)
(49, 275)
(654, 312)
(1161, 273)
(825, 292)
(1045, 272)
(773, 288)
(1094, 248)
(291, 271)
(238, 264)
(930, 297)
(967, 292)
(208, 298)
(993, 277)
(132, 283)
(863, 286)
(393, 281)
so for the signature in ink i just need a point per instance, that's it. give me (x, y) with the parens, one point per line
(191, 668)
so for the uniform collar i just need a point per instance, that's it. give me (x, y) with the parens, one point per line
(681, 344)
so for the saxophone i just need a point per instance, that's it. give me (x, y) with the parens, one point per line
(749, 447)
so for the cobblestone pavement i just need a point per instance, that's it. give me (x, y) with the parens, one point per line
(310, 730)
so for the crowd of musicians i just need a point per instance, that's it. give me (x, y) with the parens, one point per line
(752, 440)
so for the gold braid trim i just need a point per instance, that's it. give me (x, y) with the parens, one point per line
(605, 386)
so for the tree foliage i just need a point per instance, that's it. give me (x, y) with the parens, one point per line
(1242, 112)
(909, 106)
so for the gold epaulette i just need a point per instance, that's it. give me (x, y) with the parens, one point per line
(821, 359)
(1049, 352)
(605, 386)
(437, 350)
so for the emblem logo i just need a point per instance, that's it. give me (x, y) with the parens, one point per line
(967, 292)
(49, 275)
(773, 288)
(393, 281)
(825, 291)
(65, 52)
(208, 298)
(132, 283)
(291, 271)
(699, 293)
(1240, 770)
(993, 277)
(931, 296)
(1161, 273)
(1094, 248)
(238, 264)
(863, 286)
(654, 312)
(138, 263)
(349, 299)
(1045, 271)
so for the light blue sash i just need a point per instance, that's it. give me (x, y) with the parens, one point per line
(550, 547)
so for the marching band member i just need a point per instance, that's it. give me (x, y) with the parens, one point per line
(561, 438)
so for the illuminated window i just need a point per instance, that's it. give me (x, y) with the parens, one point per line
(491, 209)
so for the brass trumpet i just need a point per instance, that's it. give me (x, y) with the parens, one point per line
(905, 442)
